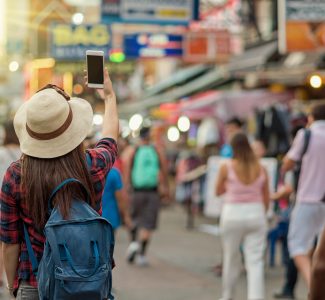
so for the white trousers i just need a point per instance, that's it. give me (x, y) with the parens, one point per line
(243, 225)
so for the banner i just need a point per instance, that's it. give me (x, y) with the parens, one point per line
(222, 15)
(70, 42)
(302, 26)
(151, 45)
(207, 46)
(168, 12)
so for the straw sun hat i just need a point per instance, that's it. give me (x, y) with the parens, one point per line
(51, 124)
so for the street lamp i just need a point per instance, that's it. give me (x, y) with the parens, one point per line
(183, 124)
(77, 18)
(135, 122)
(173, 134)
(316, 81)
(13, 66)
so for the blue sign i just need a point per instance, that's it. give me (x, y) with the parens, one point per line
(164, 12)
(70, 42)
(153, 45)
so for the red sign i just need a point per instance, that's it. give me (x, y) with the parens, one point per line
(206, 46)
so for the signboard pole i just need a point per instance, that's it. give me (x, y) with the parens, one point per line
(196, 10)
(282, 26)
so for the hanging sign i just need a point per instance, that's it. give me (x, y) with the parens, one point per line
(70, 42)
(151, 45)
(166, 12)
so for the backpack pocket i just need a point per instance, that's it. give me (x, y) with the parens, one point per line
(70, 286)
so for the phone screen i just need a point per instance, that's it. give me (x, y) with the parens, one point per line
(95, 69)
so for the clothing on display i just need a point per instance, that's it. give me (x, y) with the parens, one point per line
(208, 133)
(273, 130)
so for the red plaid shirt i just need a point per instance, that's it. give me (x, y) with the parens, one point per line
(14, 212)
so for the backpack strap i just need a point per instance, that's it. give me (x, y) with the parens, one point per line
(307, 136)
(136, 148)
(61, 185)
(157, 152)
(30, 251)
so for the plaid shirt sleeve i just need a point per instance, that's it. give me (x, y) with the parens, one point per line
(102, 160)
(10, 217)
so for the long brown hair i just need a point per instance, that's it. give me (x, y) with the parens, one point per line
(244, 155)
(40, 176)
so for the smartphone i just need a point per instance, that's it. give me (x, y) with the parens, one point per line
(95, 68)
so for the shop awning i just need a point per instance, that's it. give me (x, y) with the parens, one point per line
(221, 104)
(202, 100)
(181, 85)
(226, 104)
(293, 69)
(253, 59)
(180, 77)
(206, 81)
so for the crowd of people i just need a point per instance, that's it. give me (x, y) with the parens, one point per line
(244, 214)
(44, 165)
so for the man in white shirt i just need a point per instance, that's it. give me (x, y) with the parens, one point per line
(308, 218)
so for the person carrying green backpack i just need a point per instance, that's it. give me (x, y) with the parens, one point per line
(144, 170)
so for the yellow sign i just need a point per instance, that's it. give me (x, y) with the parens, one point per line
(67, 35)
(172, 13)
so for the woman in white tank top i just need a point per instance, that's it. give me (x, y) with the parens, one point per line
(243, 219)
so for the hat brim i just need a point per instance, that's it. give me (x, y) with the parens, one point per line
(74, 135)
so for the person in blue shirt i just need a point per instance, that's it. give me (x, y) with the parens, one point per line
(114, 200)
(233, 126)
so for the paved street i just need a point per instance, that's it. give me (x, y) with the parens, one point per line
(180, 267)
(181, 264)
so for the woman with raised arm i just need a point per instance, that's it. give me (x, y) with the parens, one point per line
(51, 128)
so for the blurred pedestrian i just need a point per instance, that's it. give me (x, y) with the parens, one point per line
(10, 150)
(123, 144)
(288, 190)
(51, 129)
(233, 126)
(115, 201)
(9, 153)
(285, 191)
(146, 170)
(243, 219)
(308, 217)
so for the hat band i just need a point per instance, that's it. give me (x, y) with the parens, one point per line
(53, 134)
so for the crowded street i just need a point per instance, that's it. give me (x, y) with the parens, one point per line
(182, 265)
(162, 149)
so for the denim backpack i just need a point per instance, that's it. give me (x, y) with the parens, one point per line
(77, 257)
